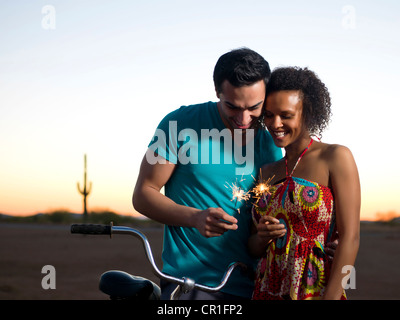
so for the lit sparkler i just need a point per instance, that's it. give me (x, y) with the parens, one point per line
(238, 194)
(262, 188)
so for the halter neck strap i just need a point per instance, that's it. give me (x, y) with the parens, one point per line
(298, 160)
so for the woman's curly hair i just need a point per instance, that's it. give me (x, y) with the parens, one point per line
(313, 92)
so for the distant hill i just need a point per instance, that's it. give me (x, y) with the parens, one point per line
(65, 217)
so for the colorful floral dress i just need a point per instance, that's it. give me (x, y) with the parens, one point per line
(295, 266)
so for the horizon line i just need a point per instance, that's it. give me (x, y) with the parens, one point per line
(139, 215)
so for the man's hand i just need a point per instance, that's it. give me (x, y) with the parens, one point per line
(214, 222)
(331, 246)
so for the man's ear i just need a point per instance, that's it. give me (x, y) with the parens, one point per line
(216, 93)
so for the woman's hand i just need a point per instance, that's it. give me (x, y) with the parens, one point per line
(268, 228)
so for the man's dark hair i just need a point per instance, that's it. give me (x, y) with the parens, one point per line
(241, 67)
(313, 92)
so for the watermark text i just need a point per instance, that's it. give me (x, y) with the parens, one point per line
(49, 18)
(206, 149)
(49, 280)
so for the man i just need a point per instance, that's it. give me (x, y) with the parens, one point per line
(201, 153)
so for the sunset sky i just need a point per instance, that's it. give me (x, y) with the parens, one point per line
(96, 77)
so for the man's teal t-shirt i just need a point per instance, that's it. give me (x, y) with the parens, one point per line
(209, 161)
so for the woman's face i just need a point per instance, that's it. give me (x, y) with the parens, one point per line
(284, 117)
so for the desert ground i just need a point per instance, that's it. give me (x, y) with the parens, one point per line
(79, 260)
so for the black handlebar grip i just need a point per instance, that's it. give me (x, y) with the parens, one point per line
(91, 229)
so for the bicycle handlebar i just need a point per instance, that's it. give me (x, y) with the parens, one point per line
(91, 229)
(185, 283)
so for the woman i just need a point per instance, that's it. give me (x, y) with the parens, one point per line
(312, 192)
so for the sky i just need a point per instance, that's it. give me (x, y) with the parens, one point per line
(96, 77)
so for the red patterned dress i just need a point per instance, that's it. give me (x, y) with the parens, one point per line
(295, 266)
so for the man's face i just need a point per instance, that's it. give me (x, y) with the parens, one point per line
(240, 107)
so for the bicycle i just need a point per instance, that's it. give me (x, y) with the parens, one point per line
(120, 285)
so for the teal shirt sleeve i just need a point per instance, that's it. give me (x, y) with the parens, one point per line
(164, 142)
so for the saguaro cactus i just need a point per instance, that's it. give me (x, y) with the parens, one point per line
(85, 191)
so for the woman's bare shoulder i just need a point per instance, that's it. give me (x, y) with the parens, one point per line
(337, 155)
(330, 151)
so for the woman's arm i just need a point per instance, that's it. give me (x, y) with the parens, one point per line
(268, 228)
(347, 194)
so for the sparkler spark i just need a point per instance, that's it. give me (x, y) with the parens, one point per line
(262, 188)
(259, 191)
(238, 194)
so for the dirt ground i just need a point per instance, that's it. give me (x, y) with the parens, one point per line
(79, 261)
